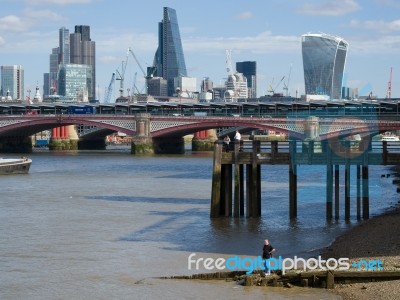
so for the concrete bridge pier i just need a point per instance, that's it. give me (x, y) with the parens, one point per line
(16, 144)
(204, 140)
(141, 142)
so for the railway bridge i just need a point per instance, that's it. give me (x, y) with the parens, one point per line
(164, 134)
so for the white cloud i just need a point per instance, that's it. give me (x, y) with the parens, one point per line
(388, 3)
(120, 42)
(264, 42)
(245, 15)
(109, 59)
(12, 23)
(388, 44)
(377, 25)
(330, 8)
(40, 15)
(2, 42)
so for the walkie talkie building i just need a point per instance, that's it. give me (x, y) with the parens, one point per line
(324, 58)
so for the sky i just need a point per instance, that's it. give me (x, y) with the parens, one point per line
(266, 31)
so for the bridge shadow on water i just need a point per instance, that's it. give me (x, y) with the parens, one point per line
(192, 229)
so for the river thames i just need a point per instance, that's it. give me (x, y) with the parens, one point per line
(105, 224)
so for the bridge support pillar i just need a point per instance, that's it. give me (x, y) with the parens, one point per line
(292, 181)
(227, 171)
(337, 192)
(65, 138)
(141, 142)
(241, 192)
(142, 145)
(358, 192)
(329, 183)
(237, 185)
(222, 202)
(204, 140)
(216, 207)
(347, 190)
(365, 186)
(16, 144)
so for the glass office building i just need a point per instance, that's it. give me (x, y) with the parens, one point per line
(12, 82)
(249, 70)
(83, 51)
(74, 81)
(169, 59)
(324, 58)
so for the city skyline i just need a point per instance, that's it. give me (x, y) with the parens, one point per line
(266, 32)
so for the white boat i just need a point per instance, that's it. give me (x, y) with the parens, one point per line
(390, 138)
(14, 165)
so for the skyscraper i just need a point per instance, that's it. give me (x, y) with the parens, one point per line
(169, 59)
(51, 78)
(249, 70)
(64, 46)
(83, 52)
(73, 81)
(324, 58)
(12, 81)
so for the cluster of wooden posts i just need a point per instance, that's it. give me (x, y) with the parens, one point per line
(236, 179)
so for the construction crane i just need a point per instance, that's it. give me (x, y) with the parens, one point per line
(109, 90)
(286, 84)
(121, 75)
(273, 89)
(389, 90)
(147, 75)
(134, 87)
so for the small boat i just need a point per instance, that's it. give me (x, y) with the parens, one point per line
(14, 165)
(390, 138)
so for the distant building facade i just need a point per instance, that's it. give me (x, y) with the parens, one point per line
(186, 86)
(74, 80)
(83, 52)
(157, 86)
(12, 82)
(206, 85)
(169, 59)
(236, 87)
(324, 58)
(249, 70)
(64, 46)
(50, 81)
(74, 49)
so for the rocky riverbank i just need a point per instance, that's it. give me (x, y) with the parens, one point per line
(376, 238)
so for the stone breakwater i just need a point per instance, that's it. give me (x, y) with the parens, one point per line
(317, 278)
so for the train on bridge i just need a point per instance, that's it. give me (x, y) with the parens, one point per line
(366, 108)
